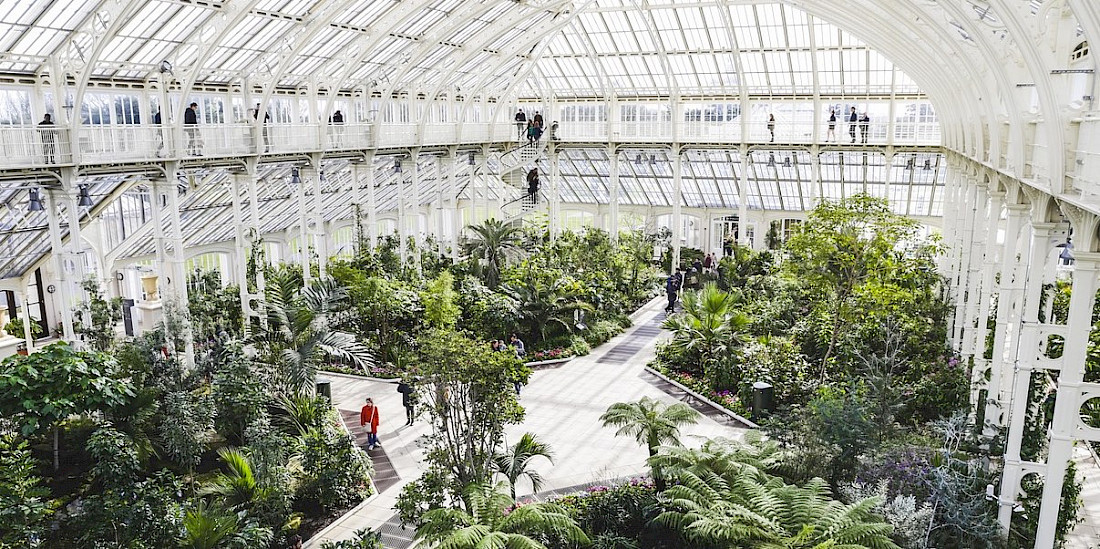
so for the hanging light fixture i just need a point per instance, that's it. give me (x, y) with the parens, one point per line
(652, 160)
(638, 159)
(470, 158)
(295, 177)
(928, 163)
(84, 200)
(771, 160)
(787, 162)
(34, 201)
(396, 165)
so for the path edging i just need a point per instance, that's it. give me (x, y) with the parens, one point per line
(709, 402)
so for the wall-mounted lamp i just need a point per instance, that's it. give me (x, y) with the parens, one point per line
(34, 201)
(84, 200)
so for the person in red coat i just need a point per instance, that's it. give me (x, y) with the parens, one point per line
(369, 416)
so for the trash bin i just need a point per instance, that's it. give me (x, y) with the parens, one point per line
(324, 388)
(762, 398)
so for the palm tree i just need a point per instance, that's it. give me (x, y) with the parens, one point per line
(237, 488)
(545, 303)
(709, 326)
(493, 244)
(206, 527)
(753, 510)
(298, 334)
(650, 423)
(494, 521)
(513, 463)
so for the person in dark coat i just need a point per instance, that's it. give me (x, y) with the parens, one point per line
(521, 122)
(864, 127)
(672, 289)
(853, 119)
(49, 139)
(406, 390)
(533, 184)
(191, 127)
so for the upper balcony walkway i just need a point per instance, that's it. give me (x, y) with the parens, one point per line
(36, 147)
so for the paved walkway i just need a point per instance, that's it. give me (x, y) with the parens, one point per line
(1086, 535)
(575, 395)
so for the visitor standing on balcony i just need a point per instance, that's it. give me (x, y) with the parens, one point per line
(538, 119)
(853, 119)
(191, 127)
(521, 122)
(159, 134)
(864, 126)
(771, 127)
(368, 418)
(830, 136)
(267, 119)
(48, 133)
(337, 123)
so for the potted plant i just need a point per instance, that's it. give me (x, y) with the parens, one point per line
(14, 327)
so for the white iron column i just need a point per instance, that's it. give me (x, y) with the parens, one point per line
(413, 198)
(1027, 353)
(966, 251)
(257, 241)
(743, 189)
(317, 218)
(985, 292)
(25, 315)
(402, 212)
(677, 198)
(441, 182)
(815, 175)
(240, 246)
(555, 194)
(1067, 405)
(303, 237)
(1008, 309)
(177, 279)
(456, 214)
(372, 201)
(613, 203)
(63, 272)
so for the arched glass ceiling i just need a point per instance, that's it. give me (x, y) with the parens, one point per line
(711, 48)
(625, 47)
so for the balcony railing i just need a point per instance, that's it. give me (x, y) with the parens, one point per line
(36, 146)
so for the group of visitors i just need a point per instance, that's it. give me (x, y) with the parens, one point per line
(534, 126)
(533, 185)
(515, 345)
(863, 121)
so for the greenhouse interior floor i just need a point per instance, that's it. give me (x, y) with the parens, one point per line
(563, 408)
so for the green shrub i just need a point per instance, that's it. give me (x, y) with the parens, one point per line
(601, 331)
(24, 503)
(336, 472)
(578, 346)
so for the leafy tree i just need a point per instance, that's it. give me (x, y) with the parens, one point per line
(239, 392)
(439, 299)
(212, 308)
(299, 334)
(491, 521)
(97, 317)
(145, 513)
(467, 394)
(384, 311)
(514, 462)
(25, 503)
(207, 526)
(545, 300)
(709, 328)
(492, 245)
(858, 260)
(40, 390)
